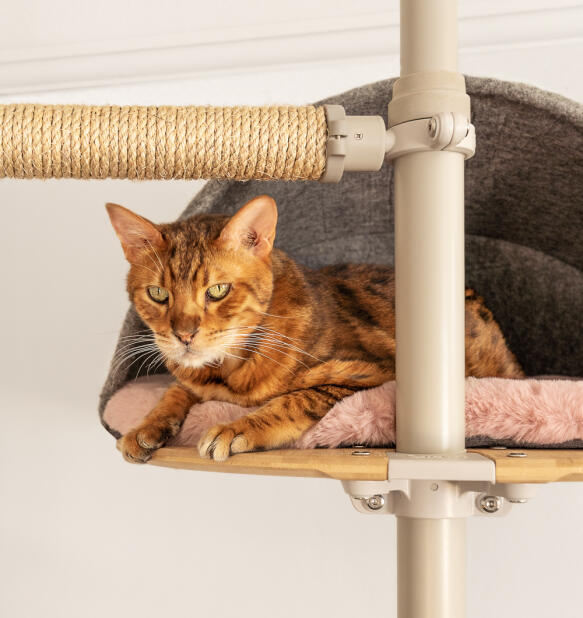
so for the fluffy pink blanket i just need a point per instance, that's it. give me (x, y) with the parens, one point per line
(498, 411)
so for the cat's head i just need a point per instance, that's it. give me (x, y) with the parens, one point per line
(201, 284)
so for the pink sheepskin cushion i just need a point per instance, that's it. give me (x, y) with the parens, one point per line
(528, 412)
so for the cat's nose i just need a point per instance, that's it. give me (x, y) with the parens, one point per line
(185, 336)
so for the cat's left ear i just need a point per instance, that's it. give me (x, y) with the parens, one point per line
(252, 227)
(136, 234)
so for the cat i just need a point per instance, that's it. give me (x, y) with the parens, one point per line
(237, 320)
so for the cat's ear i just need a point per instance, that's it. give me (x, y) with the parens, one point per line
(252, 227)
(135, 233)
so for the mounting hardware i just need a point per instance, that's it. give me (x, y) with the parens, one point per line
(361, 453)
(437, 487)
(489, 504)
(432, 128)
(375, 502)
(514, 493)
(515, 454)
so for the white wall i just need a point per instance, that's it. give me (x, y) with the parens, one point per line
(83, 533)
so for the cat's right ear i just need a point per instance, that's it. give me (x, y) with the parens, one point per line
(252, 227)
(136, 234)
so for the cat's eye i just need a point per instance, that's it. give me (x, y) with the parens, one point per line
(218, 291)
(160, 295)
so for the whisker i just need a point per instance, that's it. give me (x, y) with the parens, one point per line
(268, 337)
(276, 332)
(146, 267)
(127, 347)
(272, 315)
(136, 341)
(148, 357)
(260, 354)
(156, 254)
(154, 364)
(144, 333)
(164, 357)
(129, 350)
(255, 345)
(139, 235)
(235, 356)
(119, 365)
(264, 328)
(274, 339)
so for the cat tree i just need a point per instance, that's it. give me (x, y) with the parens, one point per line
(430, 483)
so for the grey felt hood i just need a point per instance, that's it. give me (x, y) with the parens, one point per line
(524, 218)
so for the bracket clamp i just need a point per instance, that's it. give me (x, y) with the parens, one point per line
(436, 487)
(450, 131)
(360, 143)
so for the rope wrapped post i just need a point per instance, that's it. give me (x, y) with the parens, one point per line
(145, 143)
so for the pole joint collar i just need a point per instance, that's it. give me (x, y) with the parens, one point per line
(354, 143)
(451, 131)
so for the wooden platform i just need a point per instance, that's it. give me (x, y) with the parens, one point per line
(539, 466)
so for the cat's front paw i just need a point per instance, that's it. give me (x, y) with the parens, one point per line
(138, 445)
(221, 441)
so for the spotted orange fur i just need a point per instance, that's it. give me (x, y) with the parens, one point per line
(291, 340)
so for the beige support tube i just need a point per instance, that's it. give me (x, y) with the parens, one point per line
(429, 267)
(429, 264)
(428, 36)
(431, 560)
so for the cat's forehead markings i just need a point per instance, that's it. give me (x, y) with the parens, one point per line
(185, 263)
(173, 275)
(191, 241)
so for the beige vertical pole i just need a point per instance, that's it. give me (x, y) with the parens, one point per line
(429, 266)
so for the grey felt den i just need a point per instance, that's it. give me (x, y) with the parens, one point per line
(524, 219)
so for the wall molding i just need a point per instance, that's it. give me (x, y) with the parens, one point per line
(485, 26)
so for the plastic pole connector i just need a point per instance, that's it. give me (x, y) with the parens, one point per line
(354, 144)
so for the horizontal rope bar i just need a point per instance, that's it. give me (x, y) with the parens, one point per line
(143, 143)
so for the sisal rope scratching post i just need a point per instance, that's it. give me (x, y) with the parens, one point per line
(145, 143)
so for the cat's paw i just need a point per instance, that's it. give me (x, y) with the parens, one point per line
(138, 445)
(132, 450)
(221, 441)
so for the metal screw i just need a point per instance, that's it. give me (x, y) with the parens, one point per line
(498, 448)
(434, 486)
(515, 454)
(489, 504)
(358, 135)
(432, 127)
(361, 452)
(374, 503)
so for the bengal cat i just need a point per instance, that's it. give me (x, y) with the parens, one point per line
(236, 320)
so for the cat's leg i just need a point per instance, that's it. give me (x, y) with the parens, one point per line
(161, 424)
(275, 424)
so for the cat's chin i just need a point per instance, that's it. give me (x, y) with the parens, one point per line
(193, 360)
